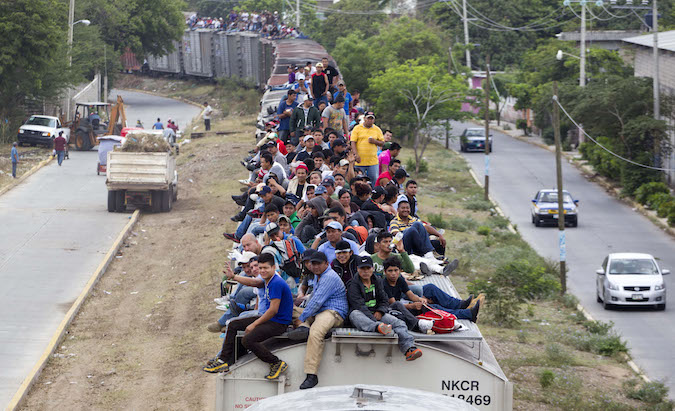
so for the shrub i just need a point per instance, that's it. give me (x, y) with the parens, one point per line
(653, 392)
(603, 162)
(483, 230)
(498, 221)
(436, 220)
(506, 126)
(569, 301)
(462, 224)
(665, 209)
(599, 327)
(477, 204)
(546, 378)
(556, 354)
(633, 177)
(645, 191)
(671, 219)
(655, 200)
(410, 165)
(521, 124)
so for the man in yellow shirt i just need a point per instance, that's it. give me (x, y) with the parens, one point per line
(365, 139)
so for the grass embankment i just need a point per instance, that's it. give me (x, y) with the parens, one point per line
(554, 357)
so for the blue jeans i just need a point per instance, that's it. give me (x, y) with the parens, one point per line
(418, 290)
(59, 156)
(445, 302)
(363, 323)
(243, 295)
(14, 168)
(372, 172)
(416, 240)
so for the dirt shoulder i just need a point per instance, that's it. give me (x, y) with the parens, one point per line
(29, 157)
(139, 341)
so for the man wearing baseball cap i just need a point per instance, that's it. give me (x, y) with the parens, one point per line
(326, 309)
(369, 309)
(342, 89)
(345, 262)
(333, 236)
(284, 112)
(303, 116)
(365, 140)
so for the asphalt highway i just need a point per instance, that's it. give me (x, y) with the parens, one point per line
(606, 225)
(55, 230)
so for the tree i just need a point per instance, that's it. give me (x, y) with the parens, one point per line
(144, 26)
(344, 18)
(33, 58)
(418, 96)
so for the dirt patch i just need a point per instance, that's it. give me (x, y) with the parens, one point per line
(29, 157)
(139, 341)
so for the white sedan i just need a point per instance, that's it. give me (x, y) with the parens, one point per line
(631, 279)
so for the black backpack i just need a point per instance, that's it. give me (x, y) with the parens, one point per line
(292, 266)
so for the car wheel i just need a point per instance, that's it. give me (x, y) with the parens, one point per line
(112, 201)
(597, 296)
(175, 193)
(537, 223)
(575, 223)
(121, 207)
(156, 199)
(661, 307)
(605, 304)
(167, 200)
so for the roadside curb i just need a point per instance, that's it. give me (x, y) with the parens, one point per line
(60, 332)
(27, 174)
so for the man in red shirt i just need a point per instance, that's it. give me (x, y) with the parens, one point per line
(388, 175)
(60, 147)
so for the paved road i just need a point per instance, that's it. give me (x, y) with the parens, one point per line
(517, 171)
(55, 230)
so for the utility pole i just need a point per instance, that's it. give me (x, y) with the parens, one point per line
(487, 130)
(656, 82)
(466, 36)
(71, 20)
(561, 210)
(582, 63)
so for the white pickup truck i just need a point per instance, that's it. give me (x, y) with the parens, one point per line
(41, 130)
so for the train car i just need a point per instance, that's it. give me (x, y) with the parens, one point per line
(171, 63)
(221, 55)
(130, 63)
(198, 53)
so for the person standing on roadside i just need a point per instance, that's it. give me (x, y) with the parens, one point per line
(365, 139)
(14, 156)
(158, 125)
(60, 147)
(207, 116)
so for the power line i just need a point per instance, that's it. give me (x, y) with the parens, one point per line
(555, 99)
(498, 27)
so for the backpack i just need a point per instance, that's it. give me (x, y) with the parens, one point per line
(444, 322)
(361, 233)
(292, 266)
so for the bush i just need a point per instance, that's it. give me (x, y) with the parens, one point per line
(655, 200)
(599, 327)
(548, 136)
(665, 209)
(546, 378)
(462, 224)
(671, 219)
(498, 221)
(556, 354)
(643, 194)
(477, 204)
(653, 392)
(633, 177)
(410, 165)
(521, 124)
(569, 301)
(603, 162)
(483, 230)
(436, 220)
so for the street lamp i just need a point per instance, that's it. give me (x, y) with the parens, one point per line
(71, 14)
(559, 55)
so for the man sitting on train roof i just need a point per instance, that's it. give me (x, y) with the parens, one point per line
(326, 309)
(369, 309)
(397, 289)
(275, 313)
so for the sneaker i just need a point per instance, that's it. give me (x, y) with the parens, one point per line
(430, 255)
(310, 381)
(223, 307)
(222, 300)
(255, 213)
(451, 267)
(425, 325)
(216, 328)
(299, 334)
(385, 329)
(240, 200)
(481, 298)
(216, 365)
(231, 236)
(474, 312)
(413, 353)
(276, 370)
(424, 268)
(244, 182)
(465, 303)
(237, 218)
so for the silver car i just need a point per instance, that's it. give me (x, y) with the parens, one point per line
(631, 279)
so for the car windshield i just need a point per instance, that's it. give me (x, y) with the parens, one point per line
(633, 266)
(552, 197)
(475, 133)
(41, 121)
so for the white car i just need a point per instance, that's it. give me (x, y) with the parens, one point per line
(41, 130)
(631, 279)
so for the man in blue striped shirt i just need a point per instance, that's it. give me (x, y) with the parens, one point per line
(326, 309)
